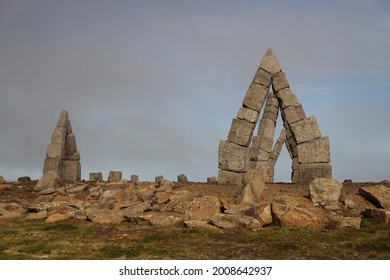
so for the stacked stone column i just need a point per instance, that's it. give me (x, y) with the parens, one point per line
(309, 151)
(62, 155)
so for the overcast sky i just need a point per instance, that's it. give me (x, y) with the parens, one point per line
(152, 86)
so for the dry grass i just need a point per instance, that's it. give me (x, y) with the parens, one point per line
(83, 240)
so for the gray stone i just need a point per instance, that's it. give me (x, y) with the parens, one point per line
(49, 180)
(255, 96)
(241, 132)
(279, 81)
(305, 130)
(228, 177)
(71, 171)
(114, 176)
(309, 172)
(71, 146)
(269, 63)
(23, 179)
(232, 157)
(55, 150)
(182, 178)
(134, 178)
(96, 176)
(253, 187)
(314, 151)
(229, 221)
(203, 208)
(247, 114)
(325, 192)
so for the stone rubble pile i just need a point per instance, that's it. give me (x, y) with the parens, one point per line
(163, 203)
(308, 149)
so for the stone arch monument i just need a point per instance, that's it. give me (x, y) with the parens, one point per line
(308, 149)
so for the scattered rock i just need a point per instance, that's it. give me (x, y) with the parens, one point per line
(228, 221)
(114, 176)
(325, 192)
(107, 217)
(212, 179)
(159, 219)
(49, 180)
(165, 185)
(2, 180)
(203, 208)
(24, 179)
(47, 191)
(340, 222)
(261, 212)
(96, 176)
(37, 216)
(378, 195)
(381, 215)
(201, 224)
(253, 187)
(182, 179)
(57, 217)
(134, 178)
(347, 181)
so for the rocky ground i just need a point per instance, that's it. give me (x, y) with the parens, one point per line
(182, 204)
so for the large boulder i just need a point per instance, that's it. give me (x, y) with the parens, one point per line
(378, 195)
(49, 180)
(325, 192)
(253, 187)
(287, 214)
(203, 208)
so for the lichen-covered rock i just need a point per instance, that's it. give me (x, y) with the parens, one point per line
(49, 180)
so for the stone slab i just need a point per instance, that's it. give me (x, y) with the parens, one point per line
(279, 81)
(262, 77)
(315, 151)
(258, 154)
(96, 176)
(227, 177)
(55, 150)
(114, 176)
(71, 171)
(305, 130)
(309, 172)
(294, 113)
(241, 132)
(52, 164)
(286, 98)
(70, 145)
(269, 63)
(247, 114)
(233, 157)
(255, 97)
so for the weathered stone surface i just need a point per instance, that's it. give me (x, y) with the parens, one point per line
(165, 219)
(247, 114)
(253, 187)
(279, 81)
(378, 195)
(134, 178)
(262, 77)
(107, 217)
(294, 113)
(201, 224)
(50, 180)
(2, 180)
(36, 216)
(133, 208)
(114, 176)
(24, 179)
(314, 151)
(290, 216)
(71, 171)
(52, 164)
(262, 212)
(258, 154)
(71, 146)
(203, 208)
(305, 130)
(165, 185)
(6, 186)
(381, 215)
(269, 63)
(228, 177)
(57, 217)
(212, 179)
(232, 157)
(286, 98)
(340, 222)
(229, 221)
(255, 96)
(96, 176)
(325, 192)
(182, 178)
(241, 132)
(309, 172)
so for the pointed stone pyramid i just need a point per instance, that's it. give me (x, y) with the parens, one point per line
(309, 151)
(62, 155)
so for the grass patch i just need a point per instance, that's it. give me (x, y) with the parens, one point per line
(82, 240)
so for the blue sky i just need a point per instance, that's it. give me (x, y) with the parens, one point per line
(152, 86)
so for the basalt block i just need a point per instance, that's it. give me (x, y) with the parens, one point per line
(305, 130)
(314, 151)
(255, 96)
(233, 157)
(241, 132)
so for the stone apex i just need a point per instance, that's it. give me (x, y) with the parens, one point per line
(269, 63)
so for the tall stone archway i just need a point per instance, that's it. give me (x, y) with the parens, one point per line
(308, 149)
